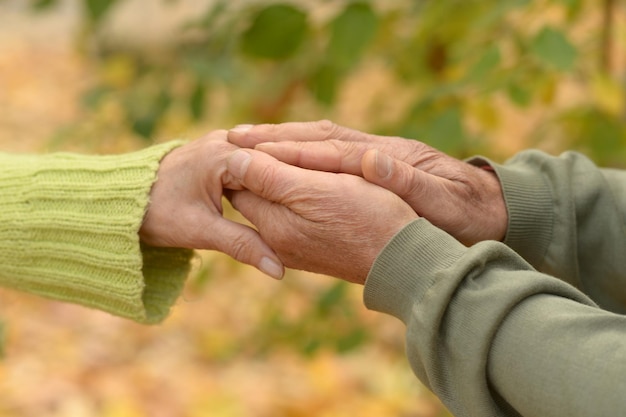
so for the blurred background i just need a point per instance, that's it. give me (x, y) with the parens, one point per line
(110, 76)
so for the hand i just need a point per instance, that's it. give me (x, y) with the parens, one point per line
(464, 200)
(185, 209)
(322, 222)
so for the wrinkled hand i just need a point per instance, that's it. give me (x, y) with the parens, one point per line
(464, 200)
(322, 222)
(185, 209)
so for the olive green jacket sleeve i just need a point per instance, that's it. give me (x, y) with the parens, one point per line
(69, 231)
(568, 219)
(488, 332)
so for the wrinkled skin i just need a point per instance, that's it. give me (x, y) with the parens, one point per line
(329, 223)
(464, 200)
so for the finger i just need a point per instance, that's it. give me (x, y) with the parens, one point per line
(254, 208)
(424, 192)
(248, 136)
(279, 226)
(274, 221)
(341, 156)
(267, 177)
(330, 155)
(245, 245)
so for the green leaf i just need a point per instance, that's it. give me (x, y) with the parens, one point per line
(351, 32)
(97, 9)
(356, 338)
(197, 101)
(146, 110)
(553, 49)
(276, 32)
(330, 298)
(488, 61)
(608, 133)
(519, 95)
(94, 96)
(323, 84)
(445, 132)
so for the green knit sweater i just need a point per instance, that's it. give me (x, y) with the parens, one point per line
(69, 231)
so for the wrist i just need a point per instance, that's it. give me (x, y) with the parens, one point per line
(498, 218)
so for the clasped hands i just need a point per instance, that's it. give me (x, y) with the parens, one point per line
(323, 198)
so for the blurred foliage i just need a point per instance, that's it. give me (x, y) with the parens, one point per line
(465, 76)
(329, 323)
(461, 62)
(327, 319)
(460, 59)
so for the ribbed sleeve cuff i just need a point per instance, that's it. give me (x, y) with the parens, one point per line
(69, 231)
(407, 268)
(530, 207)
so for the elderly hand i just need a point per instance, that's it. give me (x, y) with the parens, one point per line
(185, 207)
(462, 199)
(322, 222)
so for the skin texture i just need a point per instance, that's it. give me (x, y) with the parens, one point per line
(185, 209)
(464, 200)
(329, 223)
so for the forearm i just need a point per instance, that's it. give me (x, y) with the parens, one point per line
(462, 308)
(555, 357)
(69, 231)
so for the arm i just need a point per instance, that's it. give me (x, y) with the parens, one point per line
(491, 336)
(485, 331)
(568, 218)
(72, 227)
(69, 231)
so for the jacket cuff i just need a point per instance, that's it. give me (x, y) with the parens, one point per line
(530, 208)
(406, 268)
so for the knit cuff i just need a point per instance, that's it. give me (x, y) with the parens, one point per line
(529, 204)
(407, 268)
(69, 231)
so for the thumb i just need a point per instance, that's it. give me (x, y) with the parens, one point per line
(422, 191)
(265, 176)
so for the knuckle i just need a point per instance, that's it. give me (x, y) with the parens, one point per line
(266, 180)
(270, 128)
(348, 155)
(414, 189)
(328, 128)
(410, 186)
(240, 247)
(340, 145)
(219, 145)
(416, 153)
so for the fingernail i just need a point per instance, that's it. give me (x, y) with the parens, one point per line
(271, 268)
(238, 163)
(383, 165)
(241, 128)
